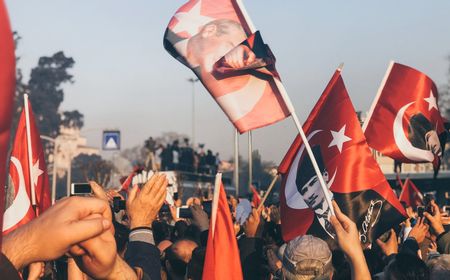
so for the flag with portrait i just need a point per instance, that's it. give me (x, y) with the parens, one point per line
(213, 38)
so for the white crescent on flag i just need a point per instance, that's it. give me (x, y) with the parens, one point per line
(403, 144)
(21, 204)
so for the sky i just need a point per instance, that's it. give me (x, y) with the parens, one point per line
(124, 79)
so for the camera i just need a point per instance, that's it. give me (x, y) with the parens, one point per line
(80, 189)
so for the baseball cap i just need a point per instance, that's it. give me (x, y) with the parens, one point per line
(307, 255)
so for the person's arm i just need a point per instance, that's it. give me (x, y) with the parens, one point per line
(143, 207)
(390, 247)
(251, 246)
(73, 271)
(36, 270)
(442, 238)
(348, 240)
(68, 222)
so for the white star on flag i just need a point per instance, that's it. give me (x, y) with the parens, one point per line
(431, 101)
(191, 21)
(339, 138)
(36, 172)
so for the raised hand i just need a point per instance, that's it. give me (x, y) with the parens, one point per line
(390, 246)
(143, 205)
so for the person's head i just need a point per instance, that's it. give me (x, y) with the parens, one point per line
(161, 231)
(307, 257)
(178, 256)
(439, 267)
(214, 40)
(195, 266)
(406, 266)
(307, 182)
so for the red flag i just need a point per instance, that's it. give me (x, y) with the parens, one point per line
(352, 174)
(256, 198)
(410, 194)
(21, 211)
(125, 184)
(222, 260)
(7, 88)
(213, 38)
(406, 114)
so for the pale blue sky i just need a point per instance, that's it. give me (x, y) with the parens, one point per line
(125, 80)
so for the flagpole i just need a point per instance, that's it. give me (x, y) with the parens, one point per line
(375, 101)
(30, 151)
(236, 161)
(269, 189)
(294, 116)
(215, 202)
(250, 159)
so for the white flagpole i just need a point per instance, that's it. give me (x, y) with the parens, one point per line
(291, 109)
(30, 151)
(215, 202)
(250, 160)
(236, 161)
(377, 97)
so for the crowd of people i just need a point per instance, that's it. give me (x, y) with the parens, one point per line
(181, 157)
(83, 238)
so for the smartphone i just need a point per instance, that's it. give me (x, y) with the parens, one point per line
(420, 211)
(184, 212)
(80, 189)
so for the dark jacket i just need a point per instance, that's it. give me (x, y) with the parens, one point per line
(7, 269)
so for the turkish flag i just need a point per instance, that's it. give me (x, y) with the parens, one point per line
(404, 122)
(222, 260)
(213, 38)
(410, 194)
(22, 176)
(354, 178)
(7, 88)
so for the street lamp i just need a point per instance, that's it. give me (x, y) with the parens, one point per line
(193, 81)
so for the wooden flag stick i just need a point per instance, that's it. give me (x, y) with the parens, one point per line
(269, 190)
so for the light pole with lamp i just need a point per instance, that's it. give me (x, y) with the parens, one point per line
(55, 146)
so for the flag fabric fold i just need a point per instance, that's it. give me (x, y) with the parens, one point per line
(213, 38)
(7, 88)
(406, 114)
(22, 175)
(354, 178)
(222, 260)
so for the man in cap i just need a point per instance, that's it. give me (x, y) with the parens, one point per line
(307, 257)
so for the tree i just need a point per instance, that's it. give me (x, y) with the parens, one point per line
(72, 119)
(46, 93)
(91, 167)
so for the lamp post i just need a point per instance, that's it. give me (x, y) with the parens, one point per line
(52, 140)
(193, 81)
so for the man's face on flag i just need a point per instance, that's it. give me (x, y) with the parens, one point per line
(312, 192)
(308, 184)
(214, 40)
